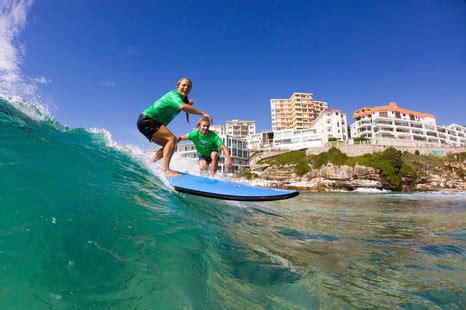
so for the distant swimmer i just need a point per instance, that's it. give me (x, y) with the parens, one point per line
(153, 121)
(208, 144)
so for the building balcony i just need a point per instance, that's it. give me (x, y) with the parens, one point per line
(384, 128)
(377, 122)
(402, 124)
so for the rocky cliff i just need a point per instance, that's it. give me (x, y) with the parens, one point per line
(445, 175)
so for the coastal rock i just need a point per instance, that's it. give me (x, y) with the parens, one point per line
(333, 177)
(363, 172)
(333, 172)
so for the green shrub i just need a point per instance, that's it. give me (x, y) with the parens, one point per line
(333, 155)
(416, 152)
(249, 175)
(458, 156)
(302, 168)
(297, 158)
(289, 158)
(389, 162)
(408, 170)
(360, 139)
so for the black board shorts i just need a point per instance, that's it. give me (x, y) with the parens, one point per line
(148, 126)
(207, 159)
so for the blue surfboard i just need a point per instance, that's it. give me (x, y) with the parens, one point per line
(212, 188)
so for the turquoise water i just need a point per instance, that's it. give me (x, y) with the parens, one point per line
(87, 223)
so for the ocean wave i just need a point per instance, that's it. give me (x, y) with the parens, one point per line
(35, 111)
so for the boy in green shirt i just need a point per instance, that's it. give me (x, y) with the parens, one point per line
(153, 121)
(208, 144)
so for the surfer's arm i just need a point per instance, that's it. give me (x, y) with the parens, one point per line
(228, 161)
(182, 138)
(192, 110)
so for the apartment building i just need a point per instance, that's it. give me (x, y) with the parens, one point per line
(297, 112)
(241, 129)
(295, 139)
(405, 127)
(219, 129)
(330, 124)
(236, 128)
(260, 141)
(237, 147)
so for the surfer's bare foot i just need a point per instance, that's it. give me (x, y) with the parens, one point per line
(171, 173)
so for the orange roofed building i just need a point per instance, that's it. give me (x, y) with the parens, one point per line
(404, 126)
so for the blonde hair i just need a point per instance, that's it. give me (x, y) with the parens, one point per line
(204, 119)
(182, 79)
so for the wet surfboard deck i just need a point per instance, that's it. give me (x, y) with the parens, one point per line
(220, 189)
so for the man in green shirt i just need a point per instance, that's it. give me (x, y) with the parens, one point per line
(153, 121)
(208, 144)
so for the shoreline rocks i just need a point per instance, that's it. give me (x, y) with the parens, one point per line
(346, 178)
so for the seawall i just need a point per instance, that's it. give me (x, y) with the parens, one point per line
(361, 149)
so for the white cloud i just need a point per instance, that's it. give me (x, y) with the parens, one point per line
(109, 84)
(13, 15)
(131, 51)
(41, 80)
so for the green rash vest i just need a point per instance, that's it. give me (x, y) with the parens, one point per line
(166, 108)
(205, 144)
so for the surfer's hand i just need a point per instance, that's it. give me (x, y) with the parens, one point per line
(191, 102)
(229, 164)
(209, 117)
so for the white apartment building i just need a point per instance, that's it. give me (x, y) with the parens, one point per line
(236, 128)
(236, 146)
(241, 129)
(297, 112)
(260, 140)
(295, 139)
(331, 123)
(219, 129)
(404, 127)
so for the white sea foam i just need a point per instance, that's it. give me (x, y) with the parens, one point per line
(34, 110)
(458, 196)
(371, 190)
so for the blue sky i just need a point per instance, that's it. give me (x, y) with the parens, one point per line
(100, 63)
